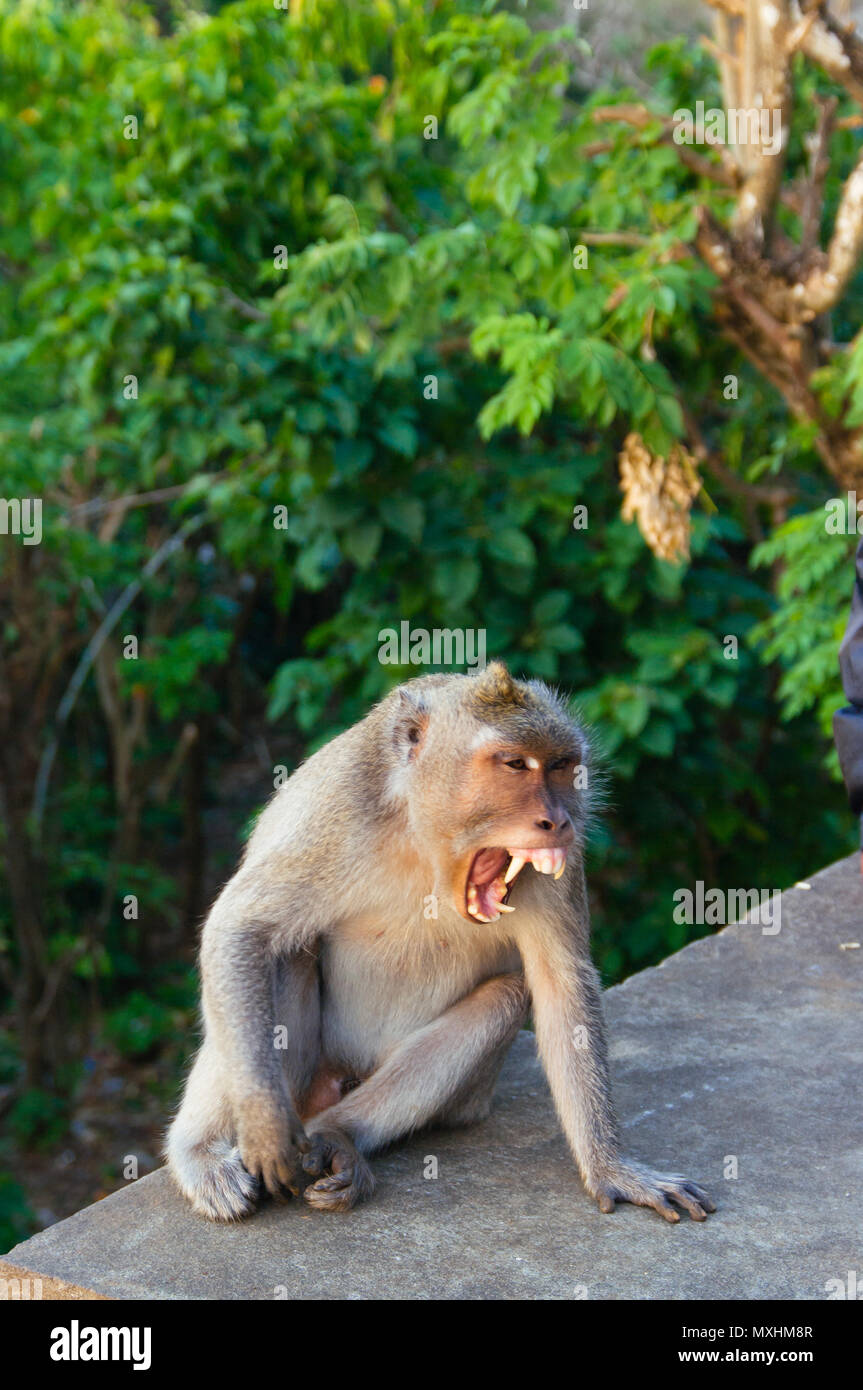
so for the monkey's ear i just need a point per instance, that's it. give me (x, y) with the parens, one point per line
(410, 725)
(496, 689)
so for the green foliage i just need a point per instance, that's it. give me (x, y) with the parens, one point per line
(17, 1221)
(38, 1118)
(429, 386)
(139, 1025)
(815, 574)
(303, 387)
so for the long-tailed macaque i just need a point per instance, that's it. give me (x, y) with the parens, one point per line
(411, 892)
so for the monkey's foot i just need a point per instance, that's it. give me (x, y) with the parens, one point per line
(343, 1175)
(221, 1189)
(632, 1182)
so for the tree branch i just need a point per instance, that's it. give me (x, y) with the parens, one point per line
(766, 87)
(823, 288)
(91, 651)
(770, 495)
(245, 310)
(819, 165)
(837, 50)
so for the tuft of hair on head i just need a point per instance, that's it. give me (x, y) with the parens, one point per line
(494, 689)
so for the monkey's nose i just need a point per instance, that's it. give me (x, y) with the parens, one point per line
(558, 826)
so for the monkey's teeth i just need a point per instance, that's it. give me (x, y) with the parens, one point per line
(516, 866)
(544, 861)
(473, 905)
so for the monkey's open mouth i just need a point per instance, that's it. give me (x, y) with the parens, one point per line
(494, 871)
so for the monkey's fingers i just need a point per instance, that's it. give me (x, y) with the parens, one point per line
(337, 1192)
(279, 1178)
(316, 1156)
(685, 1194)
(694, 1199)
(660, 1203)
(683, 1199)
(700, 1196)
(333, 1182)
(661, 1192)
(251, 1164)
(342, 1176)
(270, 1179)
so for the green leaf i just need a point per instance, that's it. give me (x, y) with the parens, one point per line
(511, 546)
(669, 411)
(456, 580)
(406, 516)
(400, 435)
(360, 543)
(551, 606)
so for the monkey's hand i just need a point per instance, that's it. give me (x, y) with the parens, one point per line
(633, 1182)
(347, 1178)
(271, 1141)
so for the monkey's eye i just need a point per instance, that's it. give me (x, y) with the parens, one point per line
(517, 764)
(559, 764)
(413, 735)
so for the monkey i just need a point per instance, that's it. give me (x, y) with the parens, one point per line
(406, 899)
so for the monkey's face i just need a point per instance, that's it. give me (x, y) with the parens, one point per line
(485, 771)
(517, 807)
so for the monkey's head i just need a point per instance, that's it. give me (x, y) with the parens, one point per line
(489, 771)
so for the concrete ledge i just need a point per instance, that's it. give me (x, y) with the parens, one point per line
(22, 1285)
(742, 1044)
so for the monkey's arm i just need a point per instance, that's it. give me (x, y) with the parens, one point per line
(238, 964)
(570, 1034)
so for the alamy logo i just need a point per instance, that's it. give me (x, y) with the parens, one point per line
(77, 1343)
(755, 126)
(19, 1290)
(843, 516)
(443, 646)
(843, 1289)
(716, 908)
(21, 517)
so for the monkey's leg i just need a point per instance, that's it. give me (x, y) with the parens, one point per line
(473, 1102)
(435, 1074)
(201, 1147)
(237, 1129)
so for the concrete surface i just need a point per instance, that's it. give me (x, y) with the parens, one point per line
(743, 1045)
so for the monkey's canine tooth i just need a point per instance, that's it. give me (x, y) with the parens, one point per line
(560, 859)
(515, 867)
(505, 907)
